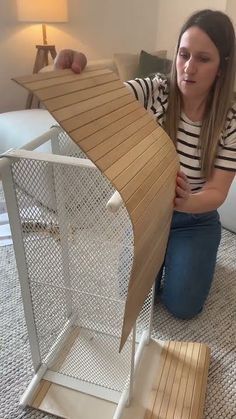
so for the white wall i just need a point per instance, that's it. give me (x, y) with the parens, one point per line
(231, 10)
(97, 27)
(171, 16)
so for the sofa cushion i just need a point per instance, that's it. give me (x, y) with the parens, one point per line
(150, 64)
(128, 64)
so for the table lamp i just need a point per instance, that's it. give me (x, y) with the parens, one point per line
(43, 11)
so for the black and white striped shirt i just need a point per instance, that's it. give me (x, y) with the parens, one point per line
(153, 94)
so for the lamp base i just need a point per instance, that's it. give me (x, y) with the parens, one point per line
(41, 61)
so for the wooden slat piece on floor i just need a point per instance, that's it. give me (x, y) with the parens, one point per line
(180, 387)
(102, 116)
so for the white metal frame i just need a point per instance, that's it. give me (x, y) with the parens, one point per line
(43, 369)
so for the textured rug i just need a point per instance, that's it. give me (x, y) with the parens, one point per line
(215, 326)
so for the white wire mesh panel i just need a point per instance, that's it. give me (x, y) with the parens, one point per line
(79, 258)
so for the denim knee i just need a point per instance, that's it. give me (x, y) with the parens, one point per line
(181, 311)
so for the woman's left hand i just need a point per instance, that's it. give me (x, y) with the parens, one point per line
(182, 192)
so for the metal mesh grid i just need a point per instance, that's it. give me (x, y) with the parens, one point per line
(79, 258)
(93, 358)
(66, 147)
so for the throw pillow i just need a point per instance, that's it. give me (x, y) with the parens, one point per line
(150, 64)
(127, 64)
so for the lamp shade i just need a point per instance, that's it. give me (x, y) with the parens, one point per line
(42, 11)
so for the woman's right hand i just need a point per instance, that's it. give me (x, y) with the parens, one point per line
(68, 58)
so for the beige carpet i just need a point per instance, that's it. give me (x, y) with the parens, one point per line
(215, 326)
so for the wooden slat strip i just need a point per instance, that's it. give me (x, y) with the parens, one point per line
(153, 214)
(124, 177)
(78, 108)
(77, 121)
(120, 137)
(163, 383)
(120, 150)
(175, 350)
(63, 89)
(145, 202)
(149, 187)
(57, 73)
(160, 160)
(103, 122)
(196, 411)
(146, 148)
(141, 282)
(42, 76)
(170, 386)
(191, 381)
(206, 355)
(152, 398)
(99, 143)
(55, 81)
(145, 246)
(183, 382)
(176, 380)
(81, 95)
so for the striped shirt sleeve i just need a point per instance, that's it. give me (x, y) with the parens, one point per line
(147, 91)
(226, 158)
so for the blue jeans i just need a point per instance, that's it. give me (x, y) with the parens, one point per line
(189, 264)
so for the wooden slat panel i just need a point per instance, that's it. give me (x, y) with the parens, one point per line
(81, 107)
(143, 278)
(119, 151)
(124, 178)
(24, 80)
(164, 352)
(103, 122)
(183, 382)
(176, 380)
(145, 200)
(157, 177)
(72, 124)
(191, 381)
(164, 407)
(56, 81)
(152, 210)
(143, 174)
(159, 406)
(42, 76)
(97, 145)
(60, 90)
(196, 411)
(145, 232)
(141, 282)
(81, 95)
(145, 246)
(119, 138)
(147, 147)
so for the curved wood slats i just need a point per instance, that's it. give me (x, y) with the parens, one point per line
(137, 156)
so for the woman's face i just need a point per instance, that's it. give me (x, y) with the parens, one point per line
(197, 64)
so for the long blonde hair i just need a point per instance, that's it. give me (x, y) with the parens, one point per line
(219, 28)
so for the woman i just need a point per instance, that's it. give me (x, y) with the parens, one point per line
(195, 108)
